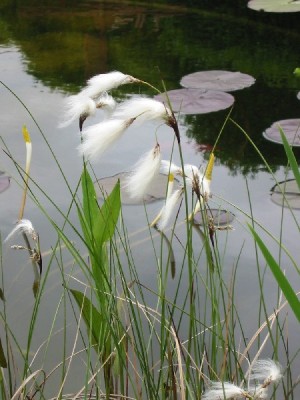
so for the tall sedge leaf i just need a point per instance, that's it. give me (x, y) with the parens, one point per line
(281, 279)
(109, 214)
(90, 204)
(291, 157)
(101, 222)
(93, 320)
(98, 225)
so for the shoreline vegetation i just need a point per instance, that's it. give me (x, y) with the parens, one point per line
(133, 350)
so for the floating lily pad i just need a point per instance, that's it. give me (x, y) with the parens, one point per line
(224, 81)
(157, 190)
(291, 194)
(278, 6)
(4, 183)
(291, 129)
(197, 101)
(220, 217)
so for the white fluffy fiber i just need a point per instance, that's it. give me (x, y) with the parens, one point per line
(101, 83)
(143, 109)
(98, 138)
(75, 106)
(168, 208)
(24, 225)
(223, 391)
(143, 174)
(266, 370)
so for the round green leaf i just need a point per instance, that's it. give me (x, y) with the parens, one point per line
(278, 6)
(291, 129)
(225, 81)
(220, 217)
(197, 101)
(291, 195)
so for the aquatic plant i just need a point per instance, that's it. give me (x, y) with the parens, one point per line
(139, 339)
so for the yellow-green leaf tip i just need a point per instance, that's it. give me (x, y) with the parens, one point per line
(26, 134)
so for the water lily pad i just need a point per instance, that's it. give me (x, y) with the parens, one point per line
(4, 183)
(197, 101)
(224, 81)
(157, 191)
(220, 217)
(278, 6)
(291, 194)
(291, 129)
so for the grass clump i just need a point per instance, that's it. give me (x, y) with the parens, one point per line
(178, 338)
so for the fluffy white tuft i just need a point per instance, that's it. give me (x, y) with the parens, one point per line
(266, 370)
(168, 208)
(143, 174)
(143, 109)
(106, 102)
(76, 106)
(167, 167)
(25, 226)
(196, 179)
(101, 83)
(98, 138)
(259, 393)
(222, 391)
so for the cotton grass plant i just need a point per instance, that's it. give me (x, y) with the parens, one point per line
(183, 336)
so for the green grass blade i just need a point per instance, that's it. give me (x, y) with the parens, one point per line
(281, 279)
(3, 362)
(92, 318)
(101, 221)
(109, 214)
(90, 204)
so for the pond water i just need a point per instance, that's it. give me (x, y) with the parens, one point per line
(49, 51)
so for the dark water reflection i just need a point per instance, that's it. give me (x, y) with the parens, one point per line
(66, 42)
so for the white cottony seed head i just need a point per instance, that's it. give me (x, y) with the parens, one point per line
(143, 109)
(25, 226)
(223, 391)
(197, 180)
(168, 208)
(167, 167)
(106, 102)
(101, 83)
(266, 370)
(258, 393)
(77, 106)
(98, 138)
(143, 174)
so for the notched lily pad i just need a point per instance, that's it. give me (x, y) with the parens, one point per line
(225, 81)
(4, 182)
(220, 217)
(197, 101)
(156, 192)
(291, 129)
(277, 6)
(291, 195)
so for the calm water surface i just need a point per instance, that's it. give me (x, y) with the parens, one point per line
(48, 52)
